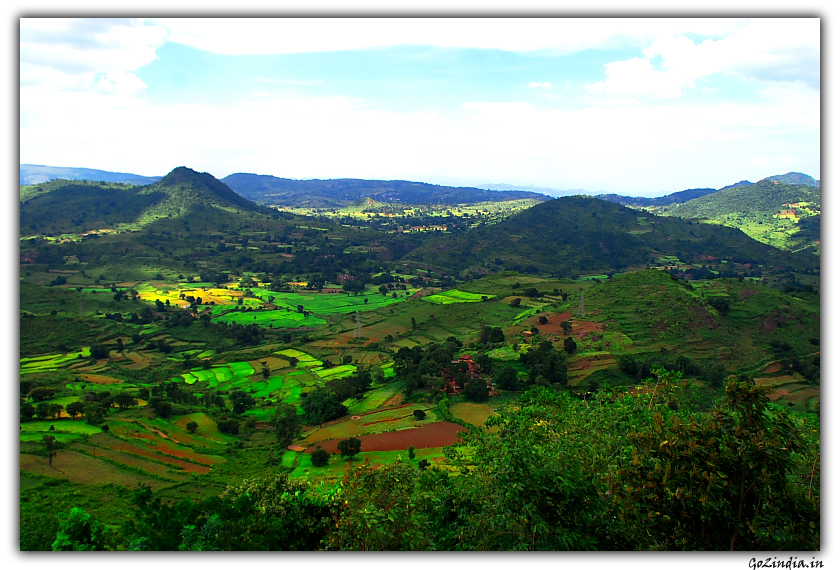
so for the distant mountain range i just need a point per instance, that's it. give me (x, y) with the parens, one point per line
(796, 178)
(336, 193)
(37, 174)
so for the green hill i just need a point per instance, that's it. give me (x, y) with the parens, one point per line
(347, 191)
(74, 206)
(759, 210)
(580, 235)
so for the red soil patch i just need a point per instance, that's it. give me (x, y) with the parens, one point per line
(388, 420)
(747, 293)
(773, 367)
(438, 434)
(778, 394)
(383, 409)
(581, 328)
(580, 364)
(296, 448)
(148, 454)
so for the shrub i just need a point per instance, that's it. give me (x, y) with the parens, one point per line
(320, 457)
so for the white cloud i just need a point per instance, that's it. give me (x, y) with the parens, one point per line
(546, 85)
(550, 35)
(120, 83)
(637, 76)
(781, 50)
(72, 53)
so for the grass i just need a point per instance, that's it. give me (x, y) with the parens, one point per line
(339, 303)
(455, 296)
(271, 319)
(376, 398)
(65, 430)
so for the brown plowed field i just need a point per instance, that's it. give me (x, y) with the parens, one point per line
(99, 379)
(438, 434)
(85, 470)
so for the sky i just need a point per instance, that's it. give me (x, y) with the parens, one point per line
(645, 106)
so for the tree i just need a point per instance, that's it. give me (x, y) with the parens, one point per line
(266, 371)
(566, 326)
(50, 446)
(569, 345)
(507, 379)
(516, 302)
(543, 320)
(228, 426)
(124, 400)
(286, 423)
(724, 481)
(381, 509)
(161, 407)
(350, 447)
(99, 351)
(27, 411)
(320, 457)
(476, 390)
(192, 427)
(419, 415)
(79, 531)
(41, 393)
(321, 406)
(411, 454)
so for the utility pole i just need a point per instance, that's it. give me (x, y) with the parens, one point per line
(358, 333)
(581, 311)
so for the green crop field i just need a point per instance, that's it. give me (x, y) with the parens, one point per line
(375, 398)
(65, 430)
(278, 319)
(455, 296)
(339, 303)
(335, 372)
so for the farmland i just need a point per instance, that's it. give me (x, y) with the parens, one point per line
(254, 345)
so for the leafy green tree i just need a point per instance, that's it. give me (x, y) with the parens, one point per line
(124, 400)
(75, 408)
(321, 406)
(516, 302)
(27, 411)
(566, 326)
(507, 379)
(229, 426)
(320, 457)
(41, 393)
(419, 415)
(381, 508)
(350, 447)
(286, 423)
(569, 345)
(79, 531)
(722, 481)
(99, 351)
(192, 427)
(546, 361)
(50, 445)
(476, 390)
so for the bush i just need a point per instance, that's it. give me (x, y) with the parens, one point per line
(419, 414)
(320, 457)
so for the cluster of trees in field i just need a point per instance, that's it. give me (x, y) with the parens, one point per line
(613, 472)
